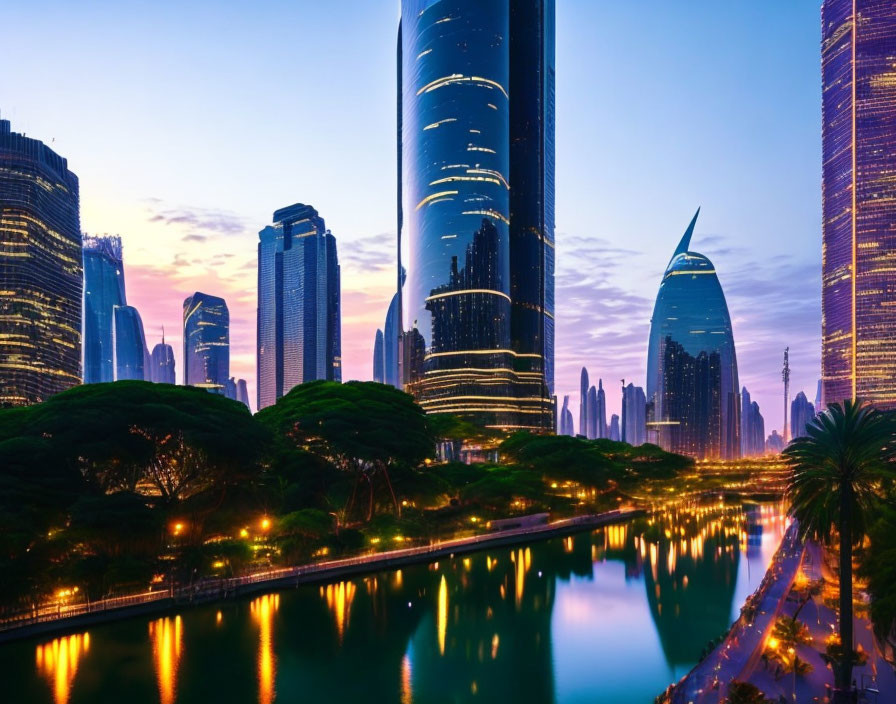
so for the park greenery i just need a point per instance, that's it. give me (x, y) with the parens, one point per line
(842, 493)
(111, 489)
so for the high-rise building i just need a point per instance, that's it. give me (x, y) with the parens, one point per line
(476, 214)
(583, 403)
(242, 393)
(692, 384)
(614, 428)
(391, 341)
(775, 443)
(40, 271)
(129, 344)
(634, 415)
(601, 429)
(206, 342)
(103, 291)
(592, 414)
(752, 427)
(299, 323)
(801, 412)
(566, 423)
(858, 201)
(162, 363)
(379, 363)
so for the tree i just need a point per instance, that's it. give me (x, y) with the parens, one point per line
(836, 472)
(365, 429)
(171, 441)
(745, 693)
(879, 567)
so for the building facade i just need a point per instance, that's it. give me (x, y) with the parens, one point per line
(801, 413)
(634, 415)
(379, 363)
(299, 319)
(161, 362)
(40, 270)
(583, 403)
(476, 212)
(615, 434)
(692, 383)
(104, 290)
(858, 201)
(752, 427)
(206, 342)
(132, 359)
(565, 424)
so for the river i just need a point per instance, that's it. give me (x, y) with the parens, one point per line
(612, 615)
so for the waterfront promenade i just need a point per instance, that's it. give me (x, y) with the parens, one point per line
(60, 618)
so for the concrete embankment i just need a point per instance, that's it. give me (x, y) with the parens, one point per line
(81, 616)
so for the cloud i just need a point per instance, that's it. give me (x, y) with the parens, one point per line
(194, 238)
(219, 221)
(371, 253)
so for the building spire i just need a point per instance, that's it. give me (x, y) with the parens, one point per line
(685, 243)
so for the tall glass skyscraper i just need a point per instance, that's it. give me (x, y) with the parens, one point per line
(162, 363)
(476, 215)
(299, 320)
(132, 360)
(692, 383)
(206, 342)
(40, 271)
(858, 201)
(379, 365)
(103, 291)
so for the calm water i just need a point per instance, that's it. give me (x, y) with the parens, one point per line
(609, 616)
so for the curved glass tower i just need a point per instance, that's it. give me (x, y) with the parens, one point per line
(129, 344)
(692, 384)
(462, 141)
(41, 271)
(206, 342)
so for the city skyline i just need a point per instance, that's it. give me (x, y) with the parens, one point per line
(602, 318)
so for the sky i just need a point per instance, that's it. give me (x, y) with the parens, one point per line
(189, 123)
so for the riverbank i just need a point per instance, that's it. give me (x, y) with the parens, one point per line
(78, 616)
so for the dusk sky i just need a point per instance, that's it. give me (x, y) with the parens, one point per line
(189, 123)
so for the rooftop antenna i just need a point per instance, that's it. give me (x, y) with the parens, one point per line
(163, 334)
(785, 376)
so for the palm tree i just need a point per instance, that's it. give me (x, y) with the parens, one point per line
(836, 475)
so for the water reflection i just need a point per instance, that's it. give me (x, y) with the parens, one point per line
(166, 635)
(58, 662)
(612, 615)
(263, 609)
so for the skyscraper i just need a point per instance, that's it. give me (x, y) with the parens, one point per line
(566, 423)
(692, 384)
(583, 403)
(299, 322)
(775, 443)
(206, 342)
(614, 428)
(600, 420)
(391, 336)
(242, 393)
(801, 412)
(40, 271)
(379, 364)
(476, 215)
(592, 414)
(752, 427)
(129, 344)
(634, 415)
(162, 363)
(858, 201)
(103, 291)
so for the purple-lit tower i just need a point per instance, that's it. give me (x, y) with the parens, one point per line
(859, 201)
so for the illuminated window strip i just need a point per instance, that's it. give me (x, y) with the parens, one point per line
(466, 291)
(460, 78)
(433, 196)
(496, 351)
(490, 213)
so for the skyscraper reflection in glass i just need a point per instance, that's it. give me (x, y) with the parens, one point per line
(206, 342)
(476, 84)
(692, 383)
(41, 271)
(859, 201)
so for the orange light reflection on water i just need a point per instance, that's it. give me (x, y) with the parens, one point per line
(58, 662)
(166, 635)
(263, 609)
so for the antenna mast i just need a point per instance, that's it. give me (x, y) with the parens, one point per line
(785, 376)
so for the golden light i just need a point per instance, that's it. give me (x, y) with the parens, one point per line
(58, 662)
(263, 609)
(442, 622)
(166, 635)
(177, 528)
(265, 523)
(773, 643)
(244, 533)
